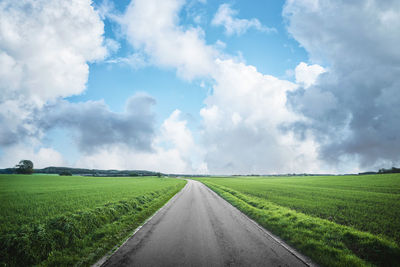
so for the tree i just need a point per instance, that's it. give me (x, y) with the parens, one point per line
(24, 167)
(392, 170)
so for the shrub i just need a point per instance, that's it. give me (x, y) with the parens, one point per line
(65, 173)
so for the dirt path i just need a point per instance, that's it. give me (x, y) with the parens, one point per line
(199, 228)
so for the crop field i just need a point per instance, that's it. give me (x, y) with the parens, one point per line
(55, 220)
(335, 220)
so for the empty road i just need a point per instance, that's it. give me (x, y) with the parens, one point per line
(199, 228)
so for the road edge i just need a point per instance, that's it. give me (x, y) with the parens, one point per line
(114, 250)
(306, 260)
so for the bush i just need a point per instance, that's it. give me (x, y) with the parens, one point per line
(65, 173)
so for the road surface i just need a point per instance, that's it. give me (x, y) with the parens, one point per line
(199, 228)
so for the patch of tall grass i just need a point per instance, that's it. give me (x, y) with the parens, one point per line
(369, 203)
(324, 241)
(80, 233)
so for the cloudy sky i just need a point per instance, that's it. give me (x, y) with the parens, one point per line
(201, 86)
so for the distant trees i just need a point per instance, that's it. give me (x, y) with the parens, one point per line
(24, 167)
(392, 170)
(65, 173)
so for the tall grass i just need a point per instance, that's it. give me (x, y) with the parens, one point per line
(368, 203)
(302, 212)
(60, 221)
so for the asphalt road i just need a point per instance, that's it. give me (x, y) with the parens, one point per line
(199, 228)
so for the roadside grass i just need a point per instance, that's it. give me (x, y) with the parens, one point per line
(368, 203)
(64, 221)
(301, 211)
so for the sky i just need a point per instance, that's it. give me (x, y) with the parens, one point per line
(201, 86)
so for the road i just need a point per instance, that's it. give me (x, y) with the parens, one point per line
(199, 228)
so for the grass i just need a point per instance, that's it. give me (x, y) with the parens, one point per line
(335, 220)
(63, 221)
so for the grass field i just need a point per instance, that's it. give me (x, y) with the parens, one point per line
(54, 220)
(335, 220)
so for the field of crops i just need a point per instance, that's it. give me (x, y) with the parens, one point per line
(56, 220)
(335, 220)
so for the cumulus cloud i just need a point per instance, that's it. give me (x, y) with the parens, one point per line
(245, 114)
(346, 111)
(110, 140)
(242, 124)
(306, 75)
(153, 27)
(42, 157)
(353, 108)
(45, 47)
(96, 126)
(226, 17)
(173, 150)
(123, 158)
(175, 134)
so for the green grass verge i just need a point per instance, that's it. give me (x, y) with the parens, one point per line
(81, 230)
(369, 203)
(325, 242)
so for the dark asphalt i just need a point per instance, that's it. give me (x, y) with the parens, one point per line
(199, 228)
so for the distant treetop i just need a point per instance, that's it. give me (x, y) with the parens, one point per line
(24, 167)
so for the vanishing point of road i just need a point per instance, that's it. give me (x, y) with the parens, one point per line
(199, 228)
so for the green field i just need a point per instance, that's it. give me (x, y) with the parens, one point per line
(335, 220)
(54, 220)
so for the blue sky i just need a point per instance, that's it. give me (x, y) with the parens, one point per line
(220, 87)
(272, 53)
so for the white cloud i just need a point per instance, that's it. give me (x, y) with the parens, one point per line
(135, 60)
(348, 111)
(307, 75)
(226, 17)
(44, 50)
(243, 121)
(153, 27)
(94, 125)
(175, 134)
(47, 46)
(111, 45)
(244, 117)
(122, 157)
(353, 108)
(108, 140)
(174, 130)
(41, 158)
(173, 151)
